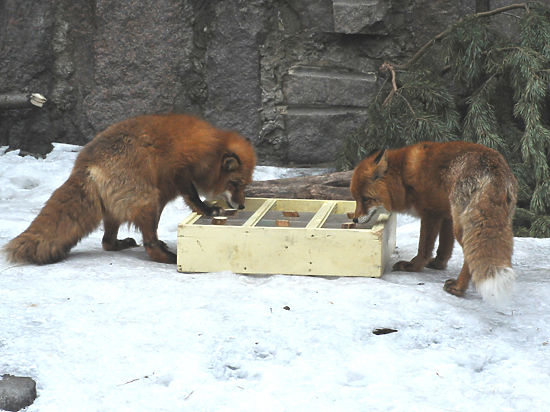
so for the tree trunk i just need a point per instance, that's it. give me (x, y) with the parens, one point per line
(325, 187)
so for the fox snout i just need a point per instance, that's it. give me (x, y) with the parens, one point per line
(236, 201)
(364, 218)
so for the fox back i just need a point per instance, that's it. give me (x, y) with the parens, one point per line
(166, 152)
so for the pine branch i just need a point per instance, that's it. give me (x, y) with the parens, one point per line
(445, 32)
(387, 66)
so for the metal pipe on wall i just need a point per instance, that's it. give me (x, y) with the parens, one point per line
(21, 100)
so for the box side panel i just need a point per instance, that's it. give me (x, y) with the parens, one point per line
(389, 239)
(279, 250)
(298, 205)
(344, 206)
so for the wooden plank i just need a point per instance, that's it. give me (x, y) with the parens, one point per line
(322, 214)
(190, 219)
(262, 210)
(280, 251)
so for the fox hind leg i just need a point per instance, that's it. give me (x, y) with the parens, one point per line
(147, 222)
(458, 286)
(110, 241)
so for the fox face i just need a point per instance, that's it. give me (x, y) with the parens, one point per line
(235, 175)
(368, 186)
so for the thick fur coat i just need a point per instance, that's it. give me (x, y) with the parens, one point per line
(459, 190)
(128, 173)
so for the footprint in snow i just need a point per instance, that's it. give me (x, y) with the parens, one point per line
(25, 182)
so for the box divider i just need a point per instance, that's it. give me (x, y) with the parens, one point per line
(322, 214)
(259, 213)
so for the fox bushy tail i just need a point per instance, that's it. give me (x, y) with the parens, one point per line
(72, 212)
(487, 240)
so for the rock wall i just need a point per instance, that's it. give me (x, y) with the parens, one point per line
(295, 76)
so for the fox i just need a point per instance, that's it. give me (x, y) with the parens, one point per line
(127, 174)
(459, 190)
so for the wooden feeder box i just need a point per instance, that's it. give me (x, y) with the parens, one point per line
(315, 241)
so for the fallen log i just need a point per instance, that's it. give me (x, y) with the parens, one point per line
(331, 186)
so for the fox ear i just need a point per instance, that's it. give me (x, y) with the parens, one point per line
(230, 162)
(379, 156)
(381, 162)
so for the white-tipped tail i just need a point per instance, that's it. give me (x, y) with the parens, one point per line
(497, 289)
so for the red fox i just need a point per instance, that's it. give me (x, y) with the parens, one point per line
(128, 173)
(458, 189)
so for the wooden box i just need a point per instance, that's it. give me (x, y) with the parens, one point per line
(313, 243)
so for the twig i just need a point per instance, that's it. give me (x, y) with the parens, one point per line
(10, 267)
(408, 104)
(135, 380)
(389, 67)
(439, 36)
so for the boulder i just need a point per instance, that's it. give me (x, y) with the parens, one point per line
(16, 392)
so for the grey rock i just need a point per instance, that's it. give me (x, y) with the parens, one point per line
(16, 392)
(359, 16)
(328, 87)
(232, 67)
(315, 135)
(293, 76)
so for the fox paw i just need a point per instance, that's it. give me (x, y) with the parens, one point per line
(213, 211)
(405, 266)
(159, 252)
(436, 264)
(119, 244)
(128, 242)
(451, 287)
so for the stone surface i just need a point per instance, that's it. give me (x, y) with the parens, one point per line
(322, 86)
(232, 66)
(294, 77)
(359, 16)
(315, 134)
(16, 392)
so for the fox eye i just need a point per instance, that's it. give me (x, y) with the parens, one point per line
(368, 199)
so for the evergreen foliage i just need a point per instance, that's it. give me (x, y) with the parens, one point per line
(475, 82)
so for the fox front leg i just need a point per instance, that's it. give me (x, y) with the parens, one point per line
(429, 228)
(445, 248)
(192, 199)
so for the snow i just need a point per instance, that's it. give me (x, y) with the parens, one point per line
(113, 331)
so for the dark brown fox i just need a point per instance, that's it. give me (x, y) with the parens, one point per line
(128, 173)
(458, 189)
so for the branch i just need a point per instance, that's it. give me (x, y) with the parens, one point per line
(439, 36)
(135, 380)
(389, 67)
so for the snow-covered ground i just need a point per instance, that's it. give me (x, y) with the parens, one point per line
(113, 331)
